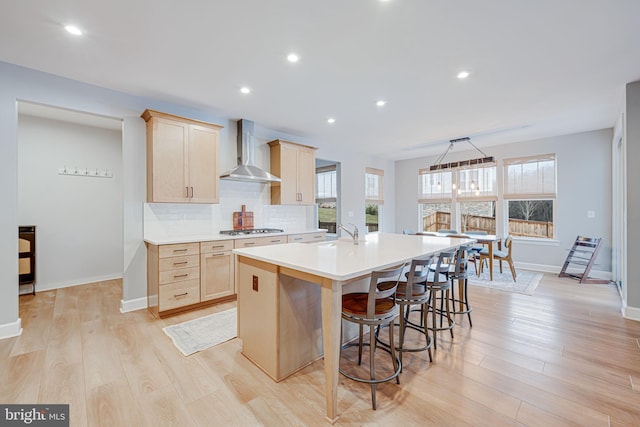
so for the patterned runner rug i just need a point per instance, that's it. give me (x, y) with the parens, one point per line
(526, 281)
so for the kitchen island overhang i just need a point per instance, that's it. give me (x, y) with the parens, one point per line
(280, 322)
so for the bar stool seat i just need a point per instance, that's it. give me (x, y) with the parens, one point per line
(373, 309)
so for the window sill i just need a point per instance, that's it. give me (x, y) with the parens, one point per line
(536, 241)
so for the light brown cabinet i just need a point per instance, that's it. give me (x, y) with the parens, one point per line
(192, 275)
(182, 159)
(216, 270)
(295, 164)
(173, 276)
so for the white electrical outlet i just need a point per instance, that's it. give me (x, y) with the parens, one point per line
(591, 214)
(350, 214)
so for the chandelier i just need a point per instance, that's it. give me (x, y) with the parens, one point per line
(441, 166)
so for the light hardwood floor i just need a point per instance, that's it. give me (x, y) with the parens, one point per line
(563, 356)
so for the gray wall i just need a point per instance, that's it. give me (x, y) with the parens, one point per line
(584, 183)
(633, 195)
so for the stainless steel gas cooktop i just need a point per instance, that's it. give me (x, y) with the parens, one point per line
(251, 231)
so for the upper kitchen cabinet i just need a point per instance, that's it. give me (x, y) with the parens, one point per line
(182, 159)
(295, 164)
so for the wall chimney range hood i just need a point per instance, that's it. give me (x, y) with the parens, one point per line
(246, 170)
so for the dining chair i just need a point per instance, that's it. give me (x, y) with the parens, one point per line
(374, 308)
(501, 255)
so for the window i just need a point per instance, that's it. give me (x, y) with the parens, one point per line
(327, 197)
(530, 193)
(374, 198)
(435, 199)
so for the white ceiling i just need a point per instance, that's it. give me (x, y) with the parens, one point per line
(538, 68)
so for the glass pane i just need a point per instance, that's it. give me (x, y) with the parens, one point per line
(372, 186)
(435, 185)
(477, 182)
(478, 216)
(327, 216)
(326, 187)
(372, 217)
(435, 216)
(531, 218)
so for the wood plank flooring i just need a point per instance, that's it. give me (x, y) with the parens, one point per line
(564, 356)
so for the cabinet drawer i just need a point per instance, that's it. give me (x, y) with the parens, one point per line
(179, 275)
(216, 246)
(179, 262)
(179, 294)
(307, 237)
(181, 249)
(260, 241)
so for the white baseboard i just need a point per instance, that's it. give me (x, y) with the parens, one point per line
(75, 282)
(631, 313)
(133, 304)
(555, 269)
(12, 329)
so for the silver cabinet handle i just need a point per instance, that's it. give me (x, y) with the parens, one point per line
(180, 275)
(181, 263)
(180, 250)
(192, 192)
(249, 243)
(180, 295)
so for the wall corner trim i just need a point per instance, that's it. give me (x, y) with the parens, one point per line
(133, 304)
(12, 329)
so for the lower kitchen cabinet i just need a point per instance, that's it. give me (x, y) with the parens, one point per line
(216, 270)
(320, 236)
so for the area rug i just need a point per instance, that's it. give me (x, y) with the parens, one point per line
(526, 281)
(204, 332)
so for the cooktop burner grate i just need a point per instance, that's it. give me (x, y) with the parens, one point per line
(251, 231)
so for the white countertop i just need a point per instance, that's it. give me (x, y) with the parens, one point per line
(342, 260)
(169, 240)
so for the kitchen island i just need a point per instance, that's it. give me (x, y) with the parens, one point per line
(286, 321)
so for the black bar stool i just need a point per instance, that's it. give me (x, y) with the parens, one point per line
(440, 284)
(374, 308)
(460, 274)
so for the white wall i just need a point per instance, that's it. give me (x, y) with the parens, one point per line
(78, 219)
(584, 184)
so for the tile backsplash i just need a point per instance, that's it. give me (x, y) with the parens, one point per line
(162, 220)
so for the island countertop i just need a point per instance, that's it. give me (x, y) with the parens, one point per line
(342, 260)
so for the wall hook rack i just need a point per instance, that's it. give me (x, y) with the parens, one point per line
(88, 172)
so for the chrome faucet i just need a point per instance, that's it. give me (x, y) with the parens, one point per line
(353, 235)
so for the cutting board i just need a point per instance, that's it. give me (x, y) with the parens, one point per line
(243, 220)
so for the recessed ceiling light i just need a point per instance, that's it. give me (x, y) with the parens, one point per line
(463, 74)
(331, 120)
(245, 90)
(381, 103)
(292, 57)
(73, 30)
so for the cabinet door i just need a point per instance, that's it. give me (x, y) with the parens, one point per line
(216, 275)
(289, 175)
(168, 151)
(306, 176)
(203, 164)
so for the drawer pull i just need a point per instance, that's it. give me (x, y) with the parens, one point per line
(180, 295)
(180, 275)
(180, 250)
(297, 238)
(222, 254)
(217, 246)
(181, 263)
(249, 243)
(317, 237)
(276, 241)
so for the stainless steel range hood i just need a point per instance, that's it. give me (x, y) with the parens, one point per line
(246, 170)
